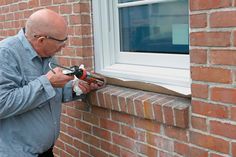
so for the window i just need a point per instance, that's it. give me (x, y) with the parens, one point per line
(143, 40)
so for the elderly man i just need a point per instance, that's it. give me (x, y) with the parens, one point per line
(30, 93)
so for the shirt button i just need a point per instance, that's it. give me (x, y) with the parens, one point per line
(55, 123)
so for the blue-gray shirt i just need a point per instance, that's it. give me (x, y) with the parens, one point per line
(29, 106)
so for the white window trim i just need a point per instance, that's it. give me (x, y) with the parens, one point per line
(112, 64)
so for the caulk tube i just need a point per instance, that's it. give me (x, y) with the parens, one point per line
(91, 78)
(81, 73)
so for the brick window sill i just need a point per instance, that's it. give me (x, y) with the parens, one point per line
(166, 109)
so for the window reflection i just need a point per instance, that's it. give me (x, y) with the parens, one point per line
(159, 27)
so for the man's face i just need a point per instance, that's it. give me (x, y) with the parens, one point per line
(49, 45)
(54, 45)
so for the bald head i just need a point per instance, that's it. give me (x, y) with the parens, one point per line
(46, 22)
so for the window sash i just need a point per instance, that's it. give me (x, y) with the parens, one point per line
(111, 62)
(150, 59)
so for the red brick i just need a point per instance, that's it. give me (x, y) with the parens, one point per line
(111, 148)
(115, 101)
(68, 120)
(64, 154)
(74, 132)
(147, 125)
(223, 57)
(110, 125)
(210, 74)
(188, 151)
(226, 95)
(208, 109)
(209, 142)
(65, 9)
(73, 113)
(199, 123)
(138, 102)
(90, 118)
(219, 39)
(234, 37)
(128, 131)
(100, 112)
(68, 51)
(97, 152)
(222, 129)
(126, 153)
(124, 118)
(233, 113)
(198, 56)
(130, 102)
(91, 140)
(107, 97)
(168, 114)
(165, 154)
(104, 134)
(123, 141)
(122, 101)
(65, 138)
(81, 145)
(81, 7)
(176, 133)
(233, 148)
(199, 90)
(72, 151)
(45, 2)
(60, 144)
(160, 142)
(59, 1)
(147, 150)
(64, 61)
(83, 126)
(181, 115)
(198, 20)
(22, 6)
(209, 4)
(158, 112)
(223, 19)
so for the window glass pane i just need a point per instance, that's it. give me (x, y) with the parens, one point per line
(157, 28)
(125, 1)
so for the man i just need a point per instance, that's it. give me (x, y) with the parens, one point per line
(31, 93)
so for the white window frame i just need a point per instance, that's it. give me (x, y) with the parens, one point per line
(168, 70)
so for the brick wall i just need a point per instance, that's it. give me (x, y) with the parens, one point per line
(124, 122)
(212, 56)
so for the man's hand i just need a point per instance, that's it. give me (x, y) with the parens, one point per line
(80, 86)
(58, 79)
(85, 87)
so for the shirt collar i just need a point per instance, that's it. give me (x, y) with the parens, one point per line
(26, 43)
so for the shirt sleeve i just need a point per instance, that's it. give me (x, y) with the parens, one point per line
(16, 94)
